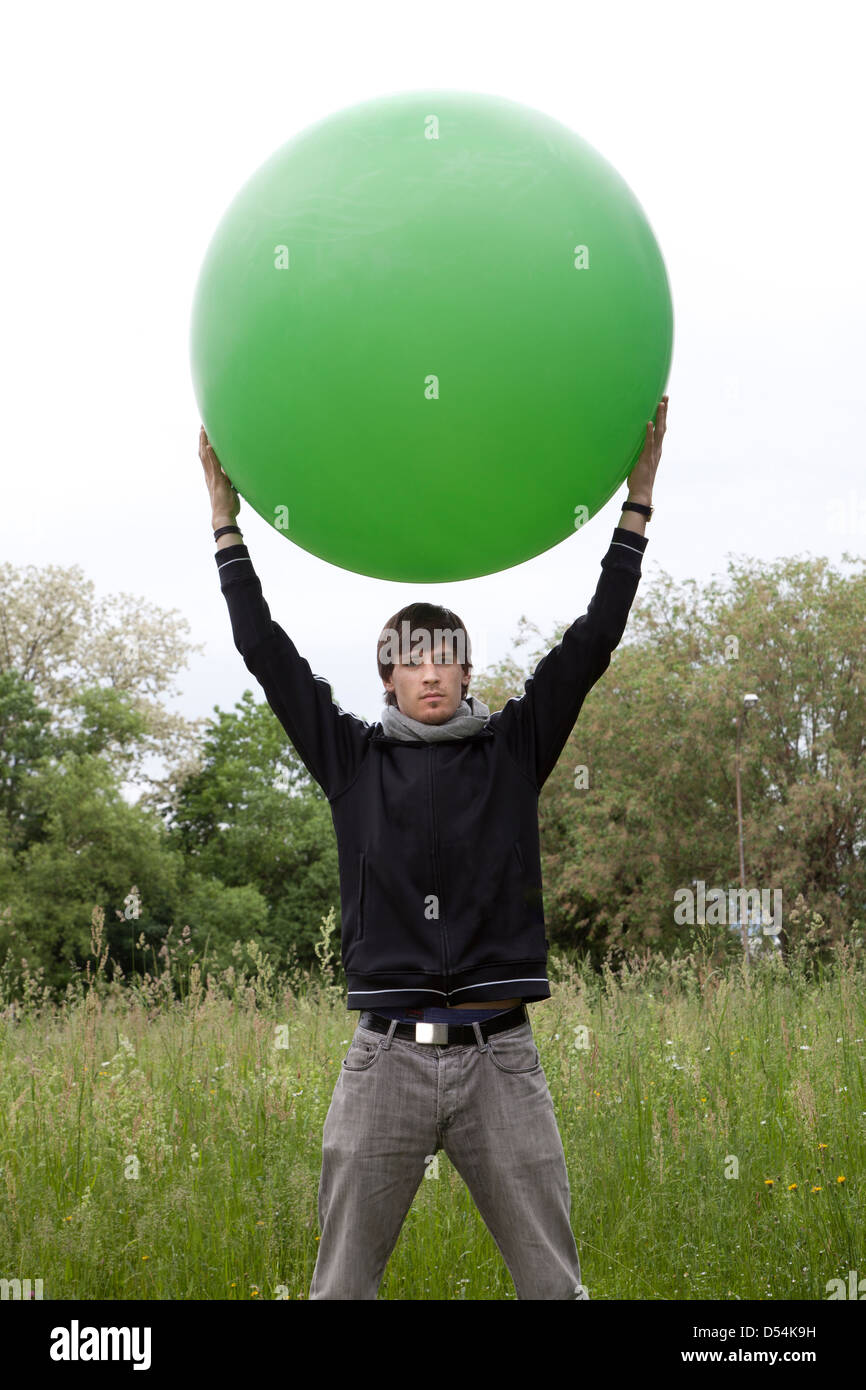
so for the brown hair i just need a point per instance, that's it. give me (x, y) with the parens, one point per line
(431, 622)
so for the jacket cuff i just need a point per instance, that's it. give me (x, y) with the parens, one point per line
(226, 558)
(626, 549)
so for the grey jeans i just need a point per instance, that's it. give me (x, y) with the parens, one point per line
(487, 1104)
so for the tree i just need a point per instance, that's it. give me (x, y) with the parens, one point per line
(656, 737)
(252, 815)
(68, 838)
(61, 640)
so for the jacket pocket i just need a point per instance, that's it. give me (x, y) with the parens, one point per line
(361, 876)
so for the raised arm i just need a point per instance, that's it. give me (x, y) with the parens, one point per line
(536, 725)
(330, 742)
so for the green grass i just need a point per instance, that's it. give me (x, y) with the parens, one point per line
(162, 1148)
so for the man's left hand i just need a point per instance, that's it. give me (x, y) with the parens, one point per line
(642, 476)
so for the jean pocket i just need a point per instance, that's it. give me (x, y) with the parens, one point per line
(514, 1051)
(362, 1053)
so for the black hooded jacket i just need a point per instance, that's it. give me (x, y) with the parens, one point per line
(440, 866)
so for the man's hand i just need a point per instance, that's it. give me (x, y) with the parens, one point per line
(224, 501)
(642, 476)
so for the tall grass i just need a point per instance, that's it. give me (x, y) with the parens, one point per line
(161, 1137)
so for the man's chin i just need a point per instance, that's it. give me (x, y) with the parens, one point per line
(432, 712)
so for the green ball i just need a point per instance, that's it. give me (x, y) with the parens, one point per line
(428, 334)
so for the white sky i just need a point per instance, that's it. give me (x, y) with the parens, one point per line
(128, 131)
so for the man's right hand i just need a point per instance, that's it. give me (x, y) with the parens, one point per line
(224, 501)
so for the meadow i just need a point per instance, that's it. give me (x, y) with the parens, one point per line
(160, 1137)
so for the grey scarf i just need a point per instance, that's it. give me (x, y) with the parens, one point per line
(470, 716)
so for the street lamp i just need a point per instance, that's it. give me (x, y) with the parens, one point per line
(748, 702)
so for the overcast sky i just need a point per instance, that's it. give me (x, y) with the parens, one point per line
(128, 131)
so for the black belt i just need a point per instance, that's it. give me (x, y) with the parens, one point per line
(444, 1033)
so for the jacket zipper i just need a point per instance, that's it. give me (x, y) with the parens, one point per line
(443, 930)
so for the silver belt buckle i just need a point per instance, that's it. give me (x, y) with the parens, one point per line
(431, 1032)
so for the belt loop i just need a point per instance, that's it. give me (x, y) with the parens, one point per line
(482, 1045)
(386, 1041)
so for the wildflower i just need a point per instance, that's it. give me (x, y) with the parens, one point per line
(145, 1257)
(817, 1189)
(841, 1178)
(768, 1182)
(703, 1100)
(792, 1187)
(822, 1146)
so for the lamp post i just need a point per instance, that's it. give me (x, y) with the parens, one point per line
(748, 702)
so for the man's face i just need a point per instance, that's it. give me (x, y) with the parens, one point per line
(420, 675)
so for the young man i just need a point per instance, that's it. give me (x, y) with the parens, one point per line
(435, 809)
